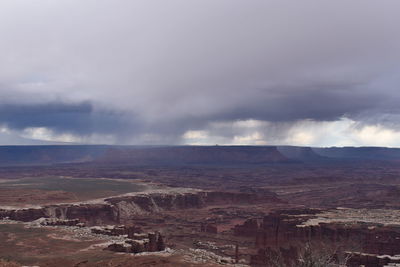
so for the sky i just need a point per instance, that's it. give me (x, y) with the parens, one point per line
(243, 72)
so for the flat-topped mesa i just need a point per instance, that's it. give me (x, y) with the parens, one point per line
(122, 208)
(204, 155)
(184, 155)
(360, 153)
(302, 154)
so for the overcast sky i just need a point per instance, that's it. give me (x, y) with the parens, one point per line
(320, 73)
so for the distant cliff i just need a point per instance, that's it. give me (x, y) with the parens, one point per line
(177, 155)
(302, 154)
(186, 155)
(48, 154)
(360, 153)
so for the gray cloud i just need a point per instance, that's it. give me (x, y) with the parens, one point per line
(144, 71)
(78, 118)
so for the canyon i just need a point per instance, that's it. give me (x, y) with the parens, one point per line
(121, 208)
(200, 206)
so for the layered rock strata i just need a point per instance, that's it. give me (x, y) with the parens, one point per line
(123, 208)
(283, 232)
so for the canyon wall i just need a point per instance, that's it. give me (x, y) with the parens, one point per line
(282, 232)
(122, 208)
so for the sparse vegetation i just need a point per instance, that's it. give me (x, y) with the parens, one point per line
(312, 257)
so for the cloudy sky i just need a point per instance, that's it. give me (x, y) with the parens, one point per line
(320, 73)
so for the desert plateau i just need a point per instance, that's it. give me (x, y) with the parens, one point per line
(200, 206)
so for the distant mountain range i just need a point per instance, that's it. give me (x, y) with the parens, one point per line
(187, 155)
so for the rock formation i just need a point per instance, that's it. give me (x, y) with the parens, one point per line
(122, 208)
(282, 233)
(152, 243)
(116, 230)
(208, 228)
(60, 222)
(372, 260)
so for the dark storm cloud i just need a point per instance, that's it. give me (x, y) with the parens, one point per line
(143, 69)
(318, 102)
(77, 118)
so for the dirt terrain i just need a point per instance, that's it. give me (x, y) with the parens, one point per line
(276, 213)
(26, 192)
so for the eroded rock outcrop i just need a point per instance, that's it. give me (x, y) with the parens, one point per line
(117, 230)
(249, 228)
(209, 228)
(88, 213)
(280, 232)
(61, 222)
(152, 243)
(122, 208)
(372, 260)
(23, 215)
